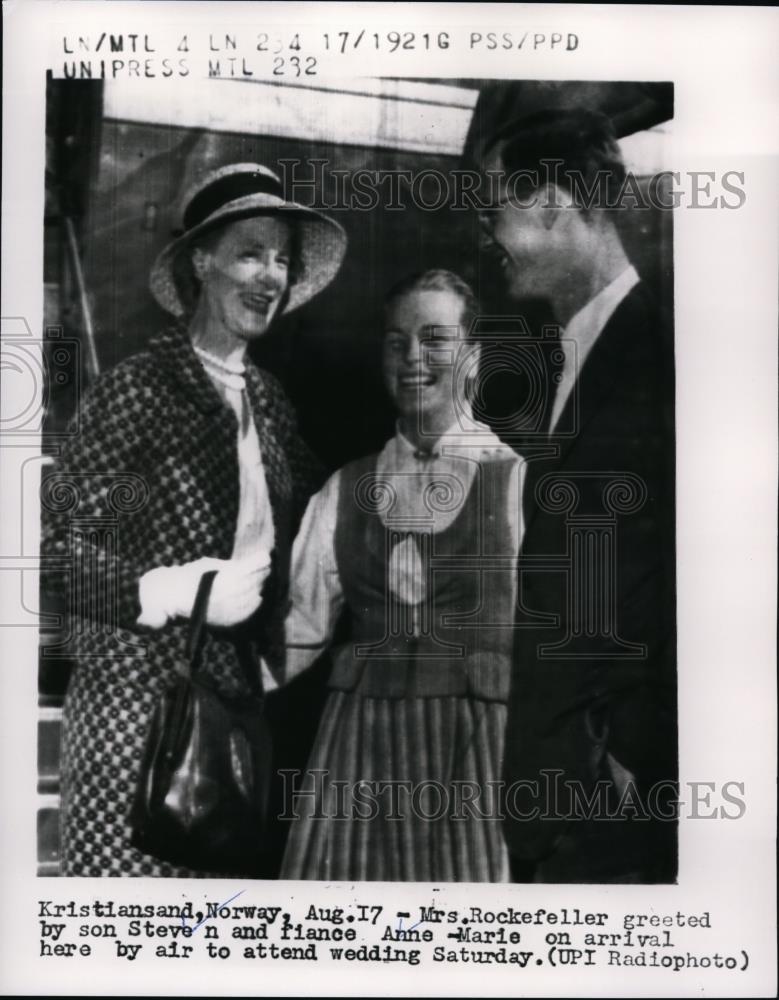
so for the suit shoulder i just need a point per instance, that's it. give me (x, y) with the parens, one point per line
(640, 328)
(641, 303)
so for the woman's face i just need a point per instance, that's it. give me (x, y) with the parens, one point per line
(244, 275)
(421, 338)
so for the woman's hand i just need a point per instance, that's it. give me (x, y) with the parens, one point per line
(235, 594)
(169, 591)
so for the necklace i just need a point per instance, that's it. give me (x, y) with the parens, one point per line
(231, 376)
(238, 369)
(236, 382)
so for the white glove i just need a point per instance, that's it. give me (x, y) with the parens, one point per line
(235, 594)
(169, 591)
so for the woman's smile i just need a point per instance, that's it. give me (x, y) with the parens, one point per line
(416, 380)
(259, 302)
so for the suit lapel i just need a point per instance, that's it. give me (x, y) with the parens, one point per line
(597, 380)
(605, 363)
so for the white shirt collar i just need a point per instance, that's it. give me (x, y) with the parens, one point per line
(588, 322)
(450, 465)
(583, 330)
(453, 435)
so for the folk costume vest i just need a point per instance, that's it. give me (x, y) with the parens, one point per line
(427, 565)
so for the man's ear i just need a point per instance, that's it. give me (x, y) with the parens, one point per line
(201, 261)
(550, 215)
(556, 202)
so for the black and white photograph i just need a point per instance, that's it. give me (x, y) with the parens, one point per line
(388, 517)
(429, 456)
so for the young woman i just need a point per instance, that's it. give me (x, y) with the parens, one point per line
(417, 547)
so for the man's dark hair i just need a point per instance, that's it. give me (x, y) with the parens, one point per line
(575, 149)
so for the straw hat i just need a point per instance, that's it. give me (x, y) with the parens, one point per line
(240, 191)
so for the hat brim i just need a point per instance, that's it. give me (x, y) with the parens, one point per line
(322, 245)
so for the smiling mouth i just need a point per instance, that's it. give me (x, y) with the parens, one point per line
(417, 380)
(258, 302)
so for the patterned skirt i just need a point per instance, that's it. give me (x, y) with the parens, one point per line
(400, 790)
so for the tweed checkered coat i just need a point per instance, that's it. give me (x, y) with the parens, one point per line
(150, 477)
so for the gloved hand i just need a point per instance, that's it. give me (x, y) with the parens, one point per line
(235, 594)
(169, 591)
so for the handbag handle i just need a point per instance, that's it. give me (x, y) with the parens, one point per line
(197, 624)
(197, 620)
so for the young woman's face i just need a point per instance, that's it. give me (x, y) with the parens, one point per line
(244, 275)
(421, 337)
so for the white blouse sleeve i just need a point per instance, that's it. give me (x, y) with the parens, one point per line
(516, 490)
(316, 596)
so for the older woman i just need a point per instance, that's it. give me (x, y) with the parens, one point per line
(187, 458)
(417, 546)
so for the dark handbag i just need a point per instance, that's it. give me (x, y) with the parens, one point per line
(202, 792)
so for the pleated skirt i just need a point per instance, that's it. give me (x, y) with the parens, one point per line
(401, 790)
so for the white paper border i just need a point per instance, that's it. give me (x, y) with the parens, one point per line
(722, 62)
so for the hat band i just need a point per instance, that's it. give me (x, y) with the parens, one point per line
(228, 189)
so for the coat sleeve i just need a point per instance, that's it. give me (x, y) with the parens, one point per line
(92, 500)
(630, 701)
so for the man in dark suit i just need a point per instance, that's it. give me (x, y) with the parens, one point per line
(591, 739)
